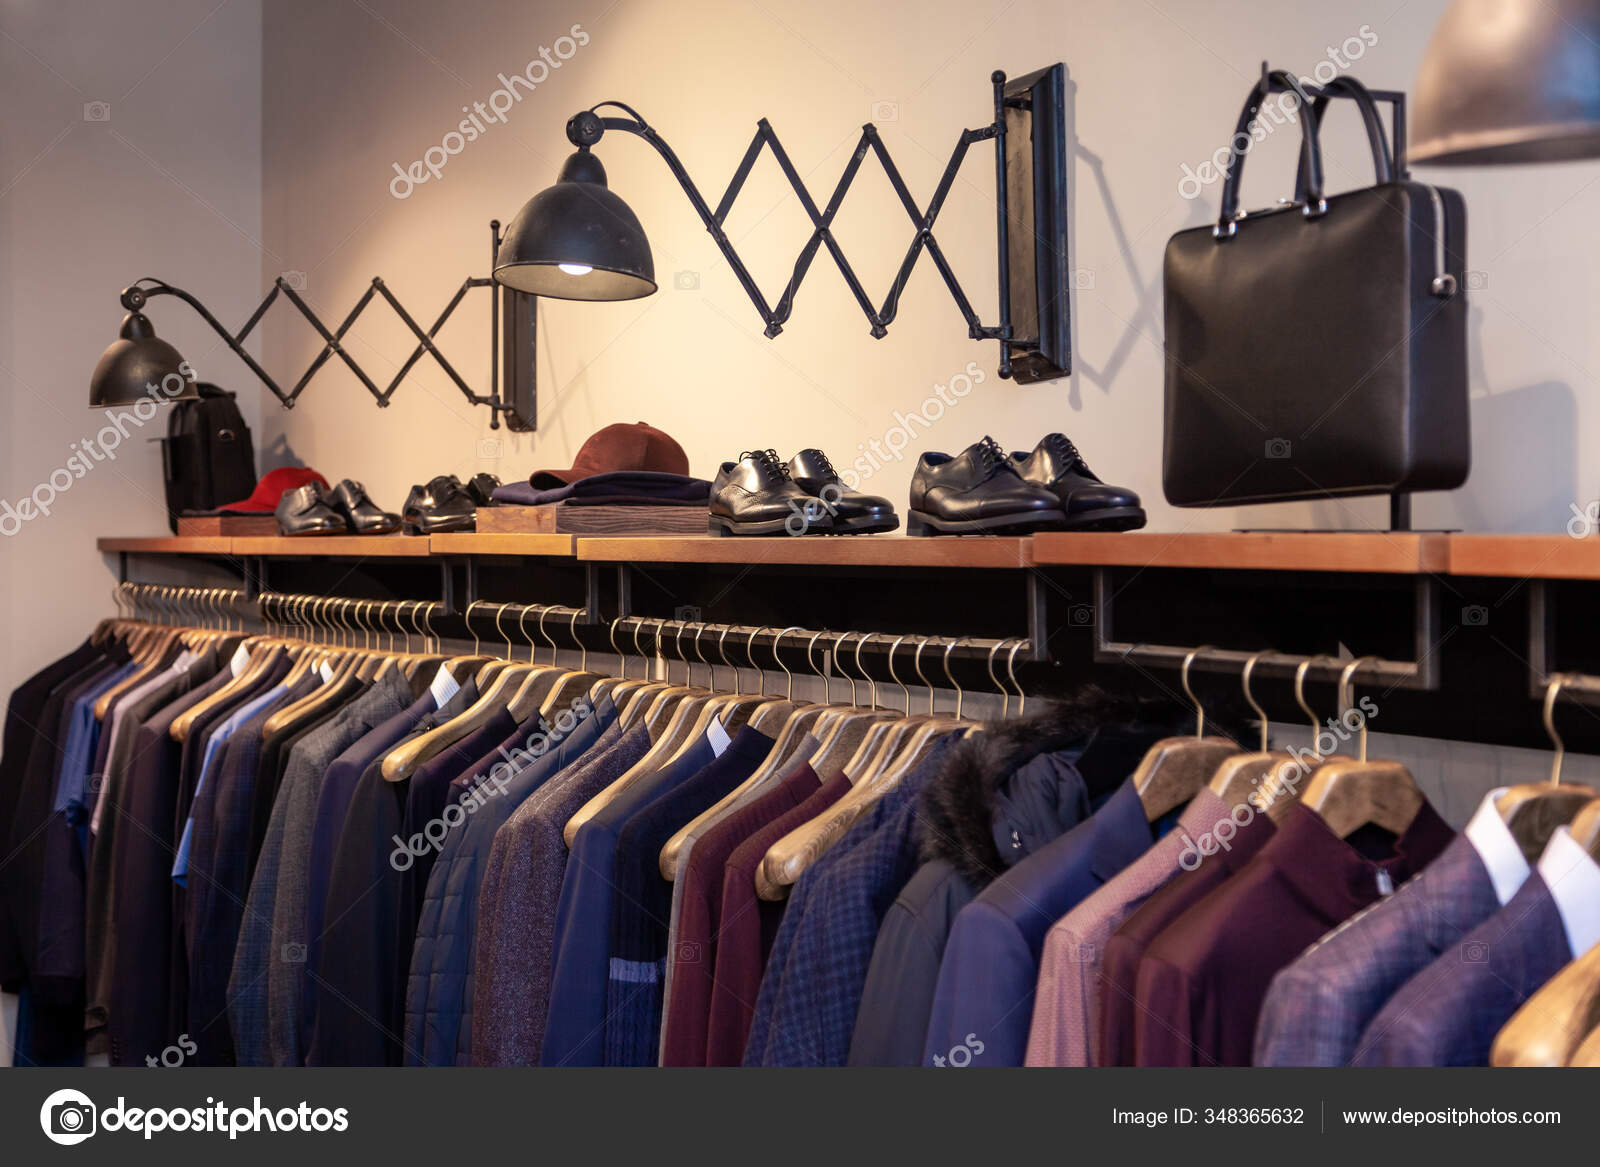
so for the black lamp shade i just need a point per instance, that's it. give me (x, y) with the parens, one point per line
(137, 360)
(577, 241)
(1508, 81)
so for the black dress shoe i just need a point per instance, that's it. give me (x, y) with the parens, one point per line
(853, 513)
(754, 496)
(1091, 505)
(440, 505)
(978, 492)
(361, 515)
(306, 511)
(482, 487)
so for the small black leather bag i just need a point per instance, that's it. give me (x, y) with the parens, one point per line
(1319, 348)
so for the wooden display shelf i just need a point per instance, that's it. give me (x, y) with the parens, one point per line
(170, 544)
(496, 543)
(353, 546)
(816, 551)
(1399, 553)
(1525, 556)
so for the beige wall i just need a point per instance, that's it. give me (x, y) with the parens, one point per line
(353, 89)
(168, 185)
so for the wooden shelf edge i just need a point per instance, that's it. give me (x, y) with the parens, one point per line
(1525, 556)
(496, 543)
(1375, 552)
(352, 546)
(782, 551)
(168, 544)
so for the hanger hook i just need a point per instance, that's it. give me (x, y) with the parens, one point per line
(949, 648)
(583, 651)
(1250, 698)
(622, 659)
(827, 680)
(1551, 692)
(1300, 695)
(1005, 693)
(905, 693)
(1011, 668)
(749, 655)
(788, 694)
(1346, 693)
(872, 686)
(1183, 675)
(838, 659)
(916, 664)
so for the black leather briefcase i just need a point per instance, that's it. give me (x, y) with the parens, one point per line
(1318, 348)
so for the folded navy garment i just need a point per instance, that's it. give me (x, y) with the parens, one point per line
(619, 488)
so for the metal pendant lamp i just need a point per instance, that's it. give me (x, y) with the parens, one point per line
(139, 364)
(577, 240)
(1508, 81)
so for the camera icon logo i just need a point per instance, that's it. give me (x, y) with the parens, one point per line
(97, 111)
(1082, 615)
(686, 281)
(295, 279)
(1477, 280)
(294, 953)
(68, 1117)
(686, 614)
(1474, 616)
(1083, 279)
(1279, 448)
(490, 448)
(689, 952)
(1474, 952)
(885, 111)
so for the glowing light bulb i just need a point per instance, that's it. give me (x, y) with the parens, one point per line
(575, 269)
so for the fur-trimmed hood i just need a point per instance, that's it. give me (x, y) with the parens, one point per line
(1002, 793)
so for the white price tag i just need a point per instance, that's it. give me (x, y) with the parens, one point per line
(443, 688)
(718, 737)
(241, 659)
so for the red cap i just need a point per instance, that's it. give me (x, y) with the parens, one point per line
(273, 486)
(622, 446)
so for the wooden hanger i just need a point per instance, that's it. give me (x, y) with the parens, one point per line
(784, 732)
(1238, 780)
(1585, 828)
(1552, 1025)
(1287, 783)
(789, 857)
(403, 761)
(1349, 794)
(1175, 768)
(671, 716)
(570, 686)
(1533, 810)
(1588, 1053)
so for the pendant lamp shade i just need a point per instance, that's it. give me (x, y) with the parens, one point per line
(577, 240)
(1506, 81)
(140, 364)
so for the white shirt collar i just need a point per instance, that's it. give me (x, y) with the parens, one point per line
(1497, 847)
(1574, 880)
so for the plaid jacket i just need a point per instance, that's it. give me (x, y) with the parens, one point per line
(813, 1007)
(1317, 1008)
(1448, 1014)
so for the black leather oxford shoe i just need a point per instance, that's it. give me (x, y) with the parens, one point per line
(361, 515)
(482, 487)
(853, 513)
(978, 492)
(754, 496)
(306, 511)
(440, 505)
(1091, 505)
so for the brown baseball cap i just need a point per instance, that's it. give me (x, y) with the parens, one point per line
(623, 446)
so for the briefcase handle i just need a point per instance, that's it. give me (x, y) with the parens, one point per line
(1310, 152)
(1377, 138)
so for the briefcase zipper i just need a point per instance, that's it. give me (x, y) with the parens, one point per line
(1444, 284)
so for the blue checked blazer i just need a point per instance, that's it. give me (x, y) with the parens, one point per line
(1449, 1013)
(1318, 1007)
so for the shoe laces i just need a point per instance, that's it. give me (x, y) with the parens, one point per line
(993, 457)
(769, 461)
(823, 464)
(1063, 448)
